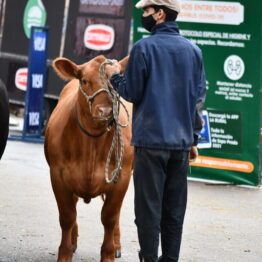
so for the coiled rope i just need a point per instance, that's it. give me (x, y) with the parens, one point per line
(118, 137)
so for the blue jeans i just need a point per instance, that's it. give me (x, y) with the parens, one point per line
(160, 181)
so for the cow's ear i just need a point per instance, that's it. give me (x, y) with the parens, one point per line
(66, 69)
(123, 64)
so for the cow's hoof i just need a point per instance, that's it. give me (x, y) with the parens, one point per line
(118, 253)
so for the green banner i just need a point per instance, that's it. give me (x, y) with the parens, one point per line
(229, 34)
(34, 15)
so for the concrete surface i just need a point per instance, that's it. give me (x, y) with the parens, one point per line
(223, 223)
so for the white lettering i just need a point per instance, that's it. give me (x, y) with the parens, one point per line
(99, 37)
(103, 2)
(39, 44)
(34, 119)
(37, 81)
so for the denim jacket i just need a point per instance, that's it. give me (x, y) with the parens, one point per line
(165, 81)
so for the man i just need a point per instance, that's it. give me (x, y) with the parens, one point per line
(165, 81)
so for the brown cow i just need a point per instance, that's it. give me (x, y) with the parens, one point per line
(77, 141)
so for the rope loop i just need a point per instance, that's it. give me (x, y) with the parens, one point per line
(118, 141)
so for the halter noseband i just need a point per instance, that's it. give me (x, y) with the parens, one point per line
(89, 99)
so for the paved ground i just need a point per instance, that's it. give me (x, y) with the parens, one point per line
(223, 223)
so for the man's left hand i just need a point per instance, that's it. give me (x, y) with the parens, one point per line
(111, 69)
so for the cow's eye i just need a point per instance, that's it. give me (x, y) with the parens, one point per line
(84, 82)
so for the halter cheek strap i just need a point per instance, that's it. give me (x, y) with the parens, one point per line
(89, 99)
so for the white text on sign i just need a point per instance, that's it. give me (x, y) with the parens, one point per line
(37, 81)
(34, 118)
(213, 12)
(39, 44)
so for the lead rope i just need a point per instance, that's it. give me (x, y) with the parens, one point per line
(118, 137)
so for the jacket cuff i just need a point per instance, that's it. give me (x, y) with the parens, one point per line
(113, 79)
(195, 140)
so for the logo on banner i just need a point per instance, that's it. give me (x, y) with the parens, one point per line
(40, 44)
(21, 78)
(99, 37)
(234, 67)
(34, 15)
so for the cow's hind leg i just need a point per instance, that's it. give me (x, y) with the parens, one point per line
(66, 203)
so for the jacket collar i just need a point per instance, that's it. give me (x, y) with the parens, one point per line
(166, 27)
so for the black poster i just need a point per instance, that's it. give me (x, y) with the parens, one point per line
(81, 49)
(98, 27)
(15, 43)
(94, 27)
(14, 39)
(16, 92)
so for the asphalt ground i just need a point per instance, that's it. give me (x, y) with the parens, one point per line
(223, 222)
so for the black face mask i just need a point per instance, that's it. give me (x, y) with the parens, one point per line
(148, 22)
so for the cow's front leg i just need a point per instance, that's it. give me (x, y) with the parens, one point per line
(69, 231)
(110, 219)
(117, 240)
(66, 203)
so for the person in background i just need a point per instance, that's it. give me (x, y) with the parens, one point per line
(4, 118)
(165, 81)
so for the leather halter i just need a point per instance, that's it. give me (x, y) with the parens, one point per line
(89, 100)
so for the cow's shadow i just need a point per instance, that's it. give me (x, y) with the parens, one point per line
(78, 257)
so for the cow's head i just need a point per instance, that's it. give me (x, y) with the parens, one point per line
(100, 104)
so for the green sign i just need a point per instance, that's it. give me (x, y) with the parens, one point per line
(229, 34)
(34, 15)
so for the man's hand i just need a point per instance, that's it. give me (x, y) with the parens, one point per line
(111, 69)
(193, 154)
